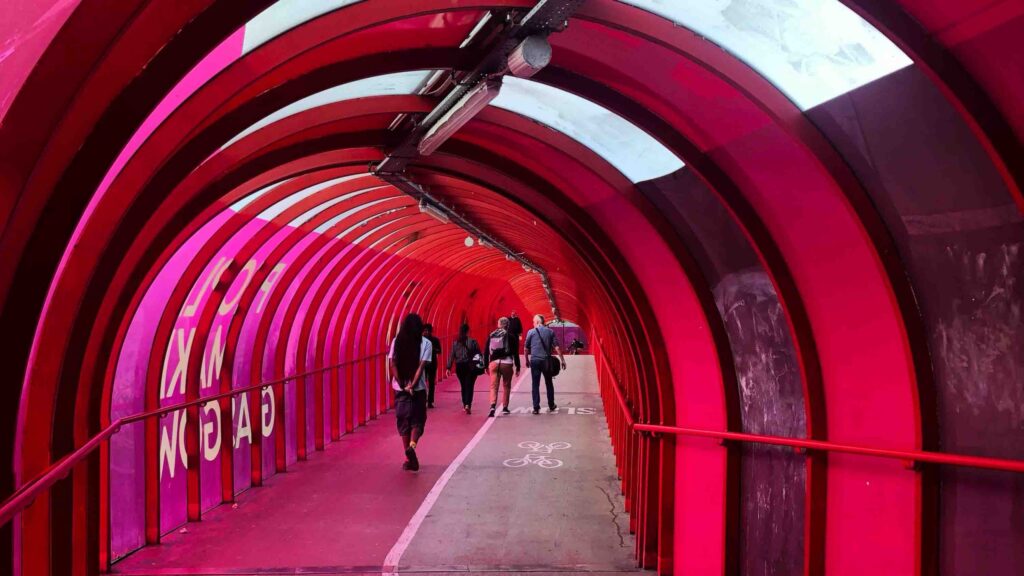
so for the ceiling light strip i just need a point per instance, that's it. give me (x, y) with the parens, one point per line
(433, 206)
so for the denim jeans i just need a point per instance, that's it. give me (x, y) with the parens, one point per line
(539, 367)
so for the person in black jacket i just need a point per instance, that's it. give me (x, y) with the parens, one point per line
(500, 357)
(515, 326)
(462, 356)
(431, 368)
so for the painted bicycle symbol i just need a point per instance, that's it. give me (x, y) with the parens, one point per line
(538, 455)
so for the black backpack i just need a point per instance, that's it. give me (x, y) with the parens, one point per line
(504, 351)
(474, 353)
(472, 349)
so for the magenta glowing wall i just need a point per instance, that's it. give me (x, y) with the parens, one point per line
(127, 470)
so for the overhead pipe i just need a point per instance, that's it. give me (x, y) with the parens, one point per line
(431, 205)
(521, 49)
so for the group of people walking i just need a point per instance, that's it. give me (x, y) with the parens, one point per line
(413, 359)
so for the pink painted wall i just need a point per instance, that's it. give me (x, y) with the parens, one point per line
(128, 397)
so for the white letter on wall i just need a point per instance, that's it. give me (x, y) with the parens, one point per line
(210, 370)
(244, 423)
(212, 423)
(178, 375)
(210, 281)
(268, 412)
(172, 443)
(229, 302)
(268, 284)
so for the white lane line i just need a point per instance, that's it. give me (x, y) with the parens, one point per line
(391, 561)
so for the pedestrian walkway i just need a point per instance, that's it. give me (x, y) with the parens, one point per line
(518, 493)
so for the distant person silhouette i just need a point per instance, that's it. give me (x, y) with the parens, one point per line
(431, 368)
(575, 346)
(515, 325)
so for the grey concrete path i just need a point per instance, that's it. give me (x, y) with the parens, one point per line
(537, 493)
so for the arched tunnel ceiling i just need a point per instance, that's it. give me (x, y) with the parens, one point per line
(190, 152)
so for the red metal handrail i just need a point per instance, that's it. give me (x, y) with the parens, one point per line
(905, 455)
(28, 492)
(912, 456)
(623, 404)
(617, 388)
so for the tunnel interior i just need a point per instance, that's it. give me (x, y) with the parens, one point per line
(798, 219)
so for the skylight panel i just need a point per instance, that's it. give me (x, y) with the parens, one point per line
(629, 149)
(812, 50)
(399, 83)
(284, 15)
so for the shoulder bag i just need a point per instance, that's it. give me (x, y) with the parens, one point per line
(554, 364)
(476, 357)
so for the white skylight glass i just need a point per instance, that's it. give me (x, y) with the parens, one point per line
(377, 228)
(812, 50)
(284, 15)
(327, 225)
(399, 83)
(284, 204)
(312, 212)
(635, 153)
(278, 208)
(239, 205)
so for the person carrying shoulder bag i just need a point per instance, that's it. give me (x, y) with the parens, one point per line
(540, 342)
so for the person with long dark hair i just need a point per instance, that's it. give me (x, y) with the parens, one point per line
(464, 356)
(409, 355)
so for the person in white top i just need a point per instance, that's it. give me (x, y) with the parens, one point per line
(409, 354)
(501, 357)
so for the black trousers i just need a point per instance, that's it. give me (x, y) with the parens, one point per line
(538, 368)
(431, 372)
(467, 379)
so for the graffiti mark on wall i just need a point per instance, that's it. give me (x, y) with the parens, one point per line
(981, 333)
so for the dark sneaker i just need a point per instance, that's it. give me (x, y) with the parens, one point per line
(552, 408)
(505, 411)
(536, 410)
(491, 413)
(414, 462)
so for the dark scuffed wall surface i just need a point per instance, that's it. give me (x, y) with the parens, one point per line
(962, 238)
(771, 396)
(772, 479)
